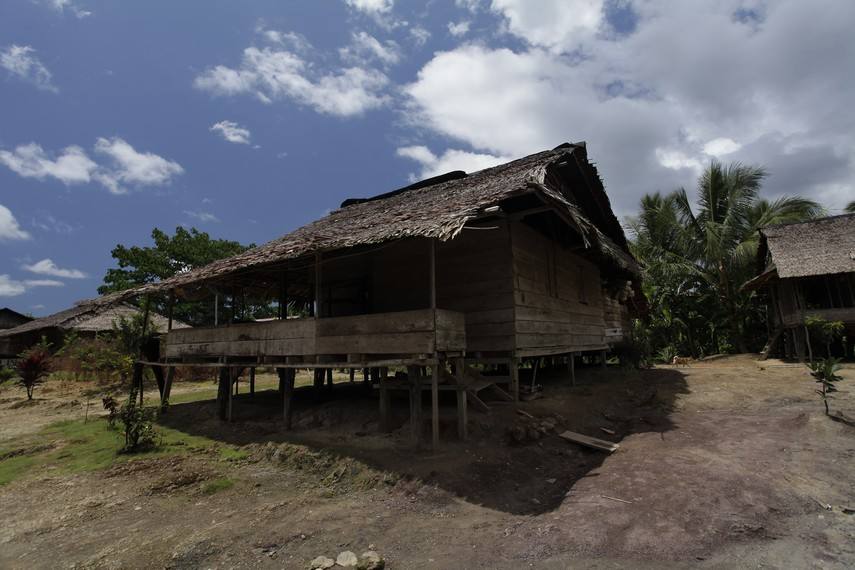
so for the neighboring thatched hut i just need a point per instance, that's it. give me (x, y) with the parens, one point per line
(86, 319)
(10, 318)
(808, 269)
(525, 260)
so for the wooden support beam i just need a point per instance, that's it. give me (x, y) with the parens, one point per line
(286, 380)
(415, 403)
(170, 310)
(167, 389)
(572, 366)
(252, 381)
(514, 369)
(232, 373)
(434, 405)
(462, 412)
(318, 382)
(137, 379)
(384, 405)
(329, 378)
(223, 391)
(158, 377)
(317, 285)
(603, 362)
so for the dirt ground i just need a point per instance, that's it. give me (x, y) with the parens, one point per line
(726, 463)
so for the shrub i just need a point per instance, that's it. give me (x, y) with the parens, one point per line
(138, 424)
(34, 364)
(666, 354)
(824, 331)
(6, 374)
(825, 373)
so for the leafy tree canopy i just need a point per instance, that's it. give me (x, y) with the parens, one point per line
(186, 250)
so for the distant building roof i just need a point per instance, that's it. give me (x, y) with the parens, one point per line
(89, 318)
(819, 247)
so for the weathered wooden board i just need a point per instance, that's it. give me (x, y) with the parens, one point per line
(588, 441)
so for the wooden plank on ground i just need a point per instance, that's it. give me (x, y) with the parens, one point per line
(588, 441)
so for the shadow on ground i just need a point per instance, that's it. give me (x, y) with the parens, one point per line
(490, 469)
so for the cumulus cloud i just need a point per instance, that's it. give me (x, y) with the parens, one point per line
(21, 62)
(458, 29)
(48, 267)
(452, 159)
(689, 82)
(365, 48)
(292, 40)
(371, 6)
(231, 132)
(419, 35)
(12, 288)
(278, 74)
(122, 166)
(9, 228)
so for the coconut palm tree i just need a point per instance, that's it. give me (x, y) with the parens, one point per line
(709, 249)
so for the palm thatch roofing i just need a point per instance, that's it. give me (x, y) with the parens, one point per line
(89, 317)
(437, 210)
(818, 247)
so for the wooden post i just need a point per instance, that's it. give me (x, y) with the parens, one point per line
(223, 390)
(170, 309)
(136, 379)
(514, 370)
(572, 365)
(286, 380)
(434, 405)
(329, 378)
(415, 403)
(231, 374)
(603, 358)
(319, 382)
(433, 276)
(317, 285)
(252, 381)
(384, 405)
(167, 388)
(352, 372)
(462, 414)
(216, 309)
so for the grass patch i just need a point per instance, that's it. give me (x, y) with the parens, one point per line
(77, 446)
(217, 485)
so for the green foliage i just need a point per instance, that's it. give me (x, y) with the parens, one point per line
(695, 260)
(33, 366)
(216, 485)
(103, 359)
(825, 373)
(138, 424)
(824, 331)
(187, 249)
(6, 374)
(132, 333)
(850, 208)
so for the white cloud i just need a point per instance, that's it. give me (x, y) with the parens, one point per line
(452, 159)
(471, 5)
(21, 62)
(9, 227)
(48, 223)
(419, 35)
(653, 101)
(295, 41)
(72, 165)
(559, 25)
(130, 167)
(231, 132)
(271, 75)
(371, 6)
(721, 146)
(12, 287)
(62, 5)
(458, 29)
(48, 267)
(364, 48)
(202, 216)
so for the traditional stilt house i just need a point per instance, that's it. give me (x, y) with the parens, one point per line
(808, 269)
(518, 261)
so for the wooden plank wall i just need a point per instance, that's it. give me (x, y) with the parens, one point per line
(558, 297)
(473, 276)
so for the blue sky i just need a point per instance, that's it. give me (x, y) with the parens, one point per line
(248, 119)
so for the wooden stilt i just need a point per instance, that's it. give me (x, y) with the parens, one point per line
(167, 388)
(572, 365)
(514, 369)
(384, 405)
(366, 378)
(603, 363)
(137, 380)
(462, 414)
(352, 372)
(329, 378)
(158, 377)
(286, 377)
(223, 391)
(415, 403)
(434, 405)
(319, 383)
(252, 381)
(232, 373)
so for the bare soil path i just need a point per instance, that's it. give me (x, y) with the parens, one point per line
(722, 464)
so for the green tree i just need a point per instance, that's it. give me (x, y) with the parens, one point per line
(850, 208)
(696, 258)
(186, 250)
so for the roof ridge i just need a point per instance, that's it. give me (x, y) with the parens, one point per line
(813, 221)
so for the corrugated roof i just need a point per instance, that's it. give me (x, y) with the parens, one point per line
(819, 247)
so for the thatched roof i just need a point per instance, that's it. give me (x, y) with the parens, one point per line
(819, 247)
(88, 317)
(440, 211)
